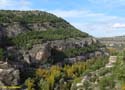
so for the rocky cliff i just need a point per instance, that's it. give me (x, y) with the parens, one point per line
(31, 39)
(9, 76)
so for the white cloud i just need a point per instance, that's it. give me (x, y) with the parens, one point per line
(108, 3)
(25, 4)
(119, 25)
(82, 17)
(15, 4)
(81, 14)
(107, 27)
(6, 3)
(69, 13)
(100, 29)
(97, 24)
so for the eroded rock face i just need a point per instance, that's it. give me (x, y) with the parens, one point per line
(72, 43)
(41, 52)
(38, 53)
(8, 75)
(84, 57)
(42, 55)
(15, 28)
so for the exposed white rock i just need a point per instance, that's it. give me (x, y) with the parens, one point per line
(79, 84)
(1, 70)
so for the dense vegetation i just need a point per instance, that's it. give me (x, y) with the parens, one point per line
(72, 52)
(61, 78)
(26, 40)
(116, 79)
(27, 17)
(104, 78)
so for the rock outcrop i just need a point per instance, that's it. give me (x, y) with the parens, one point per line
(9, 76)
(32, 39)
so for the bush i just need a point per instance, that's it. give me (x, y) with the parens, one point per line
(72, 52)
(106, 82)
(30, 84)
(62, 77)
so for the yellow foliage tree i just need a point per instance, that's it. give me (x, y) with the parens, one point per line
(55, 71)
(123, 87)
(112, 50)
(41, 73)
(51, 81)
(30, 84)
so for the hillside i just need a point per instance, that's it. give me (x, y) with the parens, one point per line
(15, 22)
(30, 40)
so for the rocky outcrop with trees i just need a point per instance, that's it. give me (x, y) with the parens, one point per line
(36, 39)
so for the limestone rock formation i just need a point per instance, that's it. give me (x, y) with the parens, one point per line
(32, 39)
(9, 76)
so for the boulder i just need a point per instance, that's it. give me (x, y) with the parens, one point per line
(98, 53)
(9, 77)
(39, 53)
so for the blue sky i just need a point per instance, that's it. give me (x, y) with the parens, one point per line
(100, 18)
